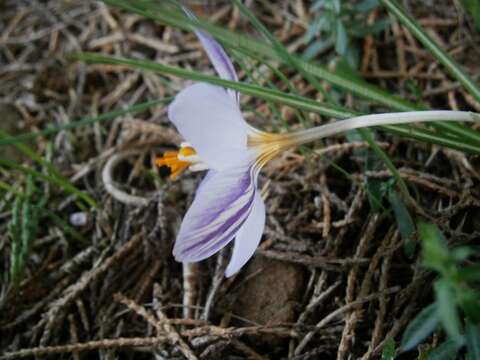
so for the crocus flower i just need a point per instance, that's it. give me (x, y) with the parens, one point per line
(228, 204)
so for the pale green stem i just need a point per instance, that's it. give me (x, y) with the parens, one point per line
(340, 126)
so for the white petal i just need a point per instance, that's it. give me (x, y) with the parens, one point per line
(221, 206)
(248, 237)
(217, 55)
(211, 122)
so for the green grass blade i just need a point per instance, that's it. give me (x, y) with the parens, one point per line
(249, 89)
(366, 135)
(294, 101)
(65, 185)
(445, 59)
(428, 136)
(281, 50)
(249, 45)
(83, 122)
(254, 48)
(454, 128)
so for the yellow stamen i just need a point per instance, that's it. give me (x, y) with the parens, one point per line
(170, 159)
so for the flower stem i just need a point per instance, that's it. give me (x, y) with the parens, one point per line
(319, 132)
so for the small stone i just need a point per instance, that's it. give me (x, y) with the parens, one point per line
(270, 294)
(79, 219)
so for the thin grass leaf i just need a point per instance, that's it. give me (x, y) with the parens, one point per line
(420, 327)
(281, 50)
(428, 136)
(388, 162)
(249, 46)
(445, 59)
(50, 168)
(9, 188)
(23, 229)
(406, 225)
(254, 77)
(32, 155)
(83, 122)
(292, 100)
(65, 185)
(14, 233)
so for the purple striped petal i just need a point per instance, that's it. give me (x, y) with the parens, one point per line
(211, 122)
(248, 237)
(223, 202)
(217, 55)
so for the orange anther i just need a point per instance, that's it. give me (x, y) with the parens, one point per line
(170, 160)
(187, 151)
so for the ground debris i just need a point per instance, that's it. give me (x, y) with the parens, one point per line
(331, 278)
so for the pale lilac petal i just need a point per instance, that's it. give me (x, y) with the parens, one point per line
(222, 204)
(210, 121)
(248, 237)
(220, 60)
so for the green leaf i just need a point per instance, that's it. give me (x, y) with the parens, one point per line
(317, 25)
(434, 246)
(341, 37)
(316, 48)
(472, 335)
(365, 5)
(473, 8)
(406, 225)
(446, 351)
(388, 352)
(447, 309)
(462, 253)
(420, 327)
